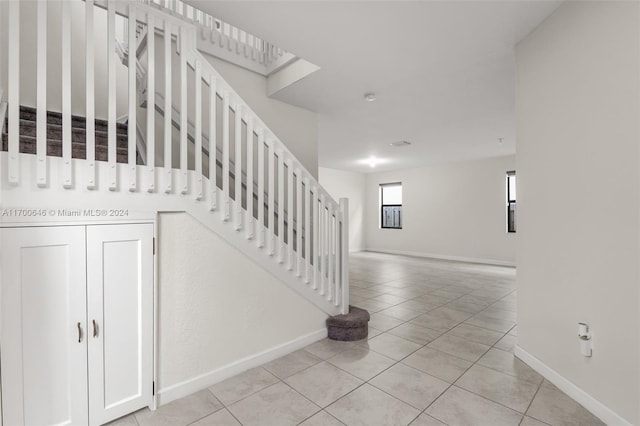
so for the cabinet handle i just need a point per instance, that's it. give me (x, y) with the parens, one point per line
(79, 333)
(95, 329)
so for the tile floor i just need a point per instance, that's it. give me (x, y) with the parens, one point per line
(439, 352)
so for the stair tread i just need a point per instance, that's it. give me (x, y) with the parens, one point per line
(78, 122)
(78, 135)
(78, 149)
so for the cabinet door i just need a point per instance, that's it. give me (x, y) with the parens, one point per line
(43, 333)
(120, 304)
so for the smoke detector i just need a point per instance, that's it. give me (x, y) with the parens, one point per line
(400, 143)
(370, 97)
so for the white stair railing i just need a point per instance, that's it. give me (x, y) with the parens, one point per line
(224, 40)
(308, 250)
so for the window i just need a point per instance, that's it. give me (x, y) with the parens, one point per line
(391, 206)
(511, 201)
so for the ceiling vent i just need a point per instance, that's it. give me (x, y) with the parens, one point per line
(400, 143)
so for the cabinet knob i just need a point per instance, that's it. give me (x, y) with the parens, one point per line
(79, 332)
(95, 328)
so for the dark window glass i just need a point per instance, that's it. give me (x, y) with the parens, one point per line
(511, 201)
(391, 206)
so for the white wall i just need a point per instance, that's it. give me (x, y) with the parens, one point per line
(351, 185)
(296, 127)
(578, 109)
(216, 307)
(455, 210)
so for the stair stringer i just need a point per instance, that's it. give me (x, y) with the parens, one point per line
(28, 195)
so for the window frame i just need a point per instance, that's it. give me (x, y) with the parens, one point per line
(511, 202)
(382, 205)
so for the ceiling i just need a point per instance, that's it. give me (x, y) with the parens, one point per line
(443, 73)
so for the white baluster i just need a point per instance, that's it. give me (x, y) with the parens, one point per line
(329, 244)
(336, 257)
(132, 127)
(112, 175)
(322, 232)
(168, 110)
(249, 179)
(184, 179)
(198, 129)
(225, 157)
(281, 248)
(151, 104)
(290, 215)
(344, 253)
(298, 254)
(238, 167)
(271, 161)
(307, 231)
(67, 173)
(90, 142)
(316, 242)
(260, 188)
(213, 145)
(41, 114)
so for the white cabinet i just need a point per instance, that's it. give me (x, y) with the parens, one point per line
(77, 323)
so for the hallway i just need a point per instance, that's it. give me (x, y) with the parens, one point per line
(439, 352)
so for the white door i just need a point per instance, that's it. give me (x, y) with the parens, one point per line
(43, 332)
(120, 319)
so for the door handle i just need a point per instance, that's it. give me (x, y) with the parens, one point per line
(95, 329)
(79, 332)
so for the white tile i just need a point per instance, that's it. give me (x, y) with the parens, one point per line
(289, 365)
(219, 418)
(556, 408)
(499, 387)
(181, 411)
(462, 348)
(426, 420)
(322, 418)
(323, 383)
(276, 405)
(243, 385)
(361, 362)
(369, 406)
(415, 333)
(409, 385)
(392, 346)
(459, 407)
(476, 334)
(438, 364)
(383, 322)
(506, 362)
(507, 343)
(326, 348)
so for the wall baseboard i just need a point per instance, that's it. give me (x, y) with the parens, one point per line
(445, 257)
(187, 387)
(596, 408)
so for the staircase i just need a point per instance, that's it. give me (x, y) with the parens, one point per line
(28, 136)
(214, 158)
